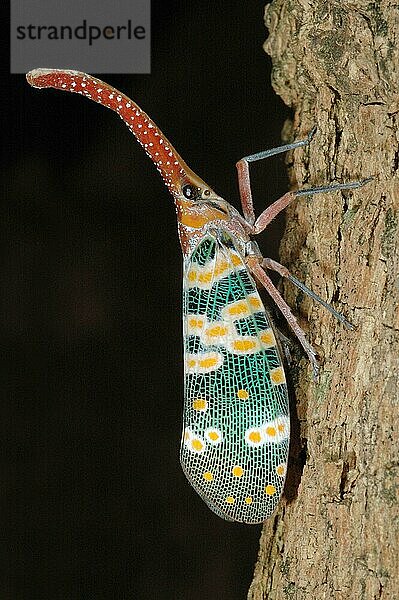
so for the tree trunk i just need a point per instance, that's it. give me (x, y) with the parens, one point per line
(336, 533)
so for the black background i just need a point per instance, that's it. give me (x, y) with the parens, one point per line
(94, 503)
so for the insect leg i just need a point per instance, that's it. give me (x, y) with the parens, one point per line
(273, 265)
(244, 183)
(264, 279)
(333, 187)
(274, 209)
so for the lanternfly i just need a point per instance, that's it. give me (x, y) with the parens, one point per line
(236, 418)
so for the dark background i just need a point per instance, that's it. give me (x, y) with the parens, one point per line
(94, 503)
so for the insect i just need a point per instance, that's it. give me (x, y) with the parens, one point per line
(236, 424)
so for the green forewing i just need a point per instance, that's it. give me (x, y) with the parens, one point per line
(236, 417)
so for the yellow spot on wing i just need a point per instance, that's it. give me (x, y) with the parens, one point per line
(255, 437)
(217, 333)
(237, 471)
(200, 404)
(242, 394)
(208, 476)
(267, 338)
(243, 308)
(205, 277)
(201, 277)
(280, 470)
(248, 500)
(235, 259)
(207, 363)
(192, 275)
(214, 270)
(214, 435)
(270, 490)
(204, 362)
(238, 309)
(187, 435)
(255, 302)
(197, 445)
(217, 330)
(196, 322)
(230, 500)
(221, 268)
(244, 345)
(277, 375)
(277, 430)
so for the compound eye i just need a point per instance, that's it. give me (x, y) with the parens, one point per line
(206, 193)
(189, 191)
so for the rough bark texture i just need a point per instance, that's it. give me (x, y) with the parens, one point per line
(336, 534)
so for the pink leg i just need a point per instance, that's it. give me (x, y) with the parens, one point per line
(272, 211)
(269, 213)
(244, 186)
(244, 179)
(260, 274)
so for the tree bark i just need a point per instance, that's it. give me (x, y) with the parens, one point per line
(336, 533)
